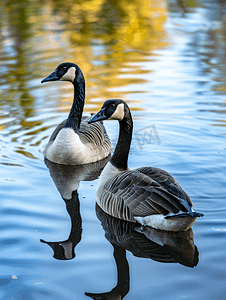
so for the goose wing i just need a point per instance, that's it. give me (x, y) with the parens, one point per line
(167, 181)
(136, 194)
(94, 133)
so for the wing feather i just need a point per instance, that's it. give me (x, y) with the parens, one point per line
(142, 192)
(96, 135)
(166, 180)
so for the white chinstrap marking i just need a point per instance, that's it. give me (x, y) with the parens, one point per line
(119, 113)
(69, 75)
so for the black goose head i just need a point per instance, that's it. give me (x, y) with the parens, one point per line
(114, 109)
(65, 72)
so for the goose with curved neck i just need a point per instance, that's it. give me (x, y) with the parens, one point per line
(147, 195)
(75, 141)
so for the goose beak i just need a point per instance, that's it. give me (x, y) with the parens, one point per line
(100, 116)
(52, 77)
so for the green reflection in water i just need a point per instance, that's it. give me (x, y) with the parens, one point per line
(103, 37)
(16, 31)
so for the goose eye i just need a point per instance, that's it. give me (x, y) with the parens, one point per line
(112, 105)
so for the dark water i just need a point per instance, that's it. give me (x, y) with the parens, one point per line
(167, 60)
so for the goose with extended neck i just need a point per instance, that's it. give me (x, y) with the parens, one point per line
(147, 195)
(75, 141)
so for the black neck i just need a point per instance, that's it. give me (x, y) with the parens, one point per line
(120, 155)
(75, 115)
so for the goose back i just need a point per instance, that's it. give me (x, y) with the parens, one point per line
(134, 195)
(142, 192)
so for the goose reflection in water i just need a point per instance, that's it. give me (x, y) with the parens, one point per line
(144, 242)
(67, 179)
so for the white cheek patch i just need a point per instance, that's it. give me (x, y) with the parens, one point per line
(69, 75)
(119, 113)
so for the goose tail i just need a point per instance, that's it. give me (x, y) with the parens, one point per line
(191, 214)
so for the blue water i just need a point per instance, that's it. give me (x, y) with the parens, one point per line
(175, 86)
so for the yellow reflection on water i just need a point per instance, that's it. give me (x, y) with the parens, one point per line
(116, 36)
(107, 39)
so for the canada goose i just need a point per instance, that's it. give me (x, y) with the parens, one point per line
(150, 196)
(74, 141)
